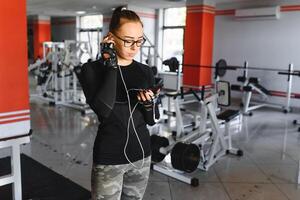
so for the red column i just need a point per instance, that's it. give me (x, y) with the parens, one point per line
(14, 87)
(198, 45)
(41, 33)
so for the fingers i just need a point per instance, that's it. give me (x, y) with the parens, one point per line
(108, 39)
(145, 95)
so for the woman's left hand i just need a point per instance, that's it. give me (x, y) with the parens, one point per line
(145, 95)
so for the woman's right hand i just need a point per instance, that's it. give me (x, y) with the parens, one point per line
(107, 46)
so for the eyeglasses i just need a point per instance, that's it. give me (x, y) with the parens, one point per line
(130, 43)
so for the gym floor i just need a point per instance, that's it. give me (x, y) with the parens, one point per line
(63, 140)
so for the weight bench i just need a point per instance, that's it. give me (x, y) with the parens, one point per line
(252, 84)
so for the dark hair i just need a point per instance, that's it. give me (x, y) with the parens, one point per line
(122, 13)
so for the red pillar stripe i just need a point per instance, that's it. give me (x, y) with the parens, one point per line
(225, 12)
(290, 8)
(147, 15)
(207, 9)
(14, 113)
(12, 116)
(16, 120)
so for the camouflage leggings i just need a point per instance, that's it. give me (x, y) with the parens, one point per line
(114, 182)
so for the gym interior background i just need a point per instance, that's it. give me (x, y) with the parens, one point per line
(249, 150)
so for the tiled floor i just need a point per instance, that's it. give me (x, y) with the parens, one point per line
(63, 140)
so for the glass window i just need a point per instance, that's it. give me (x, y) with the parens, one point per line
(91, 21)
(90, 31)
(173, 32)
(93, 38)
(173, 43)
(175, 16)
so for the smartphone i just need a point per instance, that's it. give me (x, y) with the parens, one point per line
(157, 86)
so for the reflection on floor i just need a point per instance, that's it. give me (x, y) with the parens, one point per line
(63, 141)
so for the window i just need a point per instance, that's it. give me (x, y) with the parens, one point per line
(90, 31)
(173, 32)
(175, 16)
(91, 21)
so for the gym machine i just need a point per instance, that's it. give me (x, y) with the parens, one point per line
(186, 101)
(251, 85)
(183, 107)
(200, 148)
(76, 53)
(56, 79)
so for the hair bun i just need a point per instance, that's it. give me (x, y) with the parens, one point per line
(119, 9)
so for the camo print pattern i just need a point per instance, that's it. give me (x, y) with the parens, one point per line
(125, 182)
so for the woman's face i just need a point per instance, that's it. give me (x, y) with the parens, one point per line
(127, 39)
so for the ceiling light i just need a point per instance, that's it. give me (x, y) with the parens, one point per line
(80, 12)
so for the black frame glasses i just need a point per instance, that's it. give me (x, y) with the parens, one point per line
(130, 43)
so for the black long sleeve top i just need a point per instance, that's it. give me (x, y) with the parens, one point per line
(105, 93)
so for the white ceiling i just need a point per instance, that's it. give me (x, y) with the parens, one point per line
(69, 7)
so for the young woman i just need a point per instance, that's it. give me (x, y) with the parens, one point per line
(122, 100)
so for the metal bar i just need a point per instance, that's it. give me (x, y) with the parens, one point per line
(173, 173)
(90, 30)
(232, 67)
(298, 181)
(7, 179)
(173, 27)
(16, 171)
(295, 73)
(289, 89)
(236, 67)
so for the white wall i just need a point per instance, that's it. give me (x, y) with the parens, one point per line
(149, 19)
(263, 43)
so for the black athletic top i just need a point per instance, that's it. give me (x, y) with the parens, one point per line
(112, 132)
